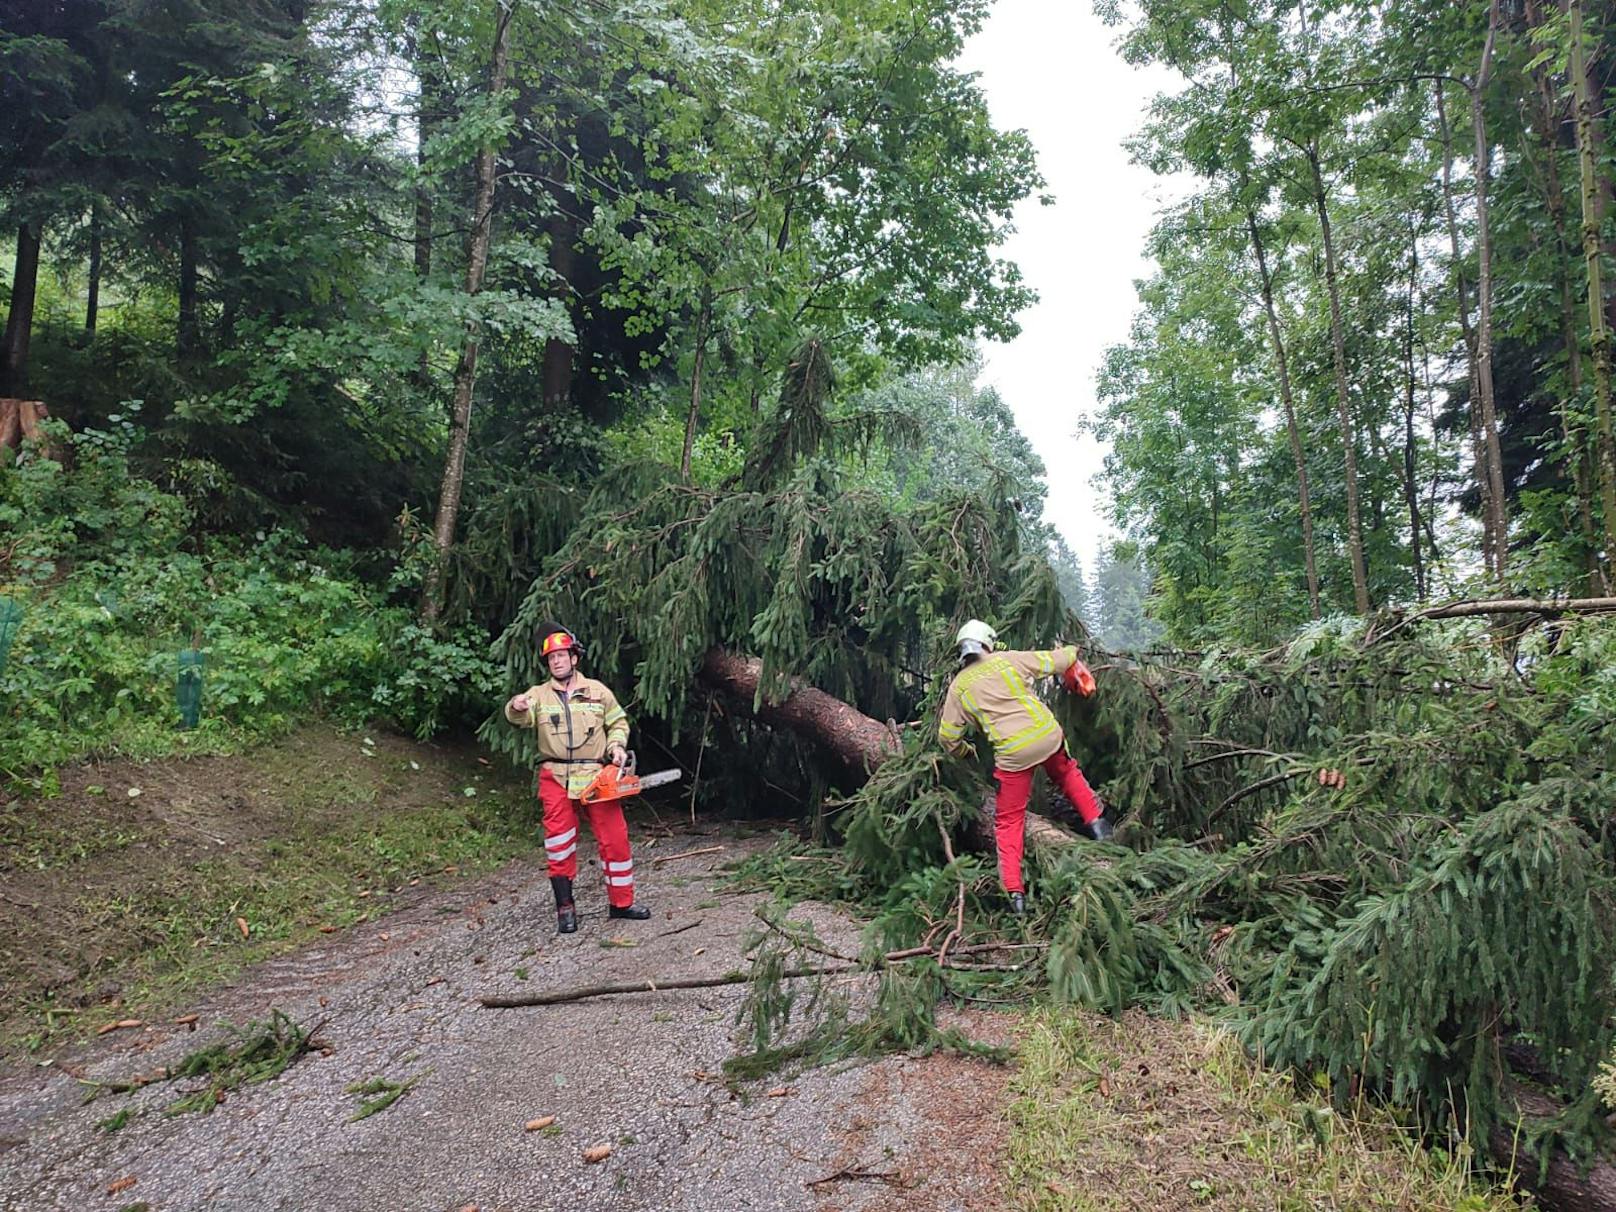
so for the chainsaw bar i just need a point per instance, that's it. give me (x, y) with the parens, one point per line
(660, 777)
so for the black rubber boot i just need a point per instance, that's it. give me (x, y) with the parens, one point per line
(1100, 829)
(566, 912)
(637, 913)
(1018, 903)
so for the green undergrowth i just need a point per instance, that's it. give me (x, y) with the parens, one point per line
(114, 579)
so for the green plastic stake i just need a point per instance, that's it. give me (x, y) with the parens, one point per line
(10, 621)
(188, 692)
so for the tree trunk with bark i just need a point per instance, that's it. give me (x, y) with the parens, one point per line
(1410, 488)
(1349, 441)
(1589, 145)
(1484, 304)
(855, 741)
(1563, 1184)
(20, 319)
(92, 301)
(1288, 399)
(19, 421)
(1461, 289)
(443, 530)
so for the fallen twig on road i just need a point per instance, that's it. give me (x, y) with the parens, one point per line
(684, 854)
(893, 1178)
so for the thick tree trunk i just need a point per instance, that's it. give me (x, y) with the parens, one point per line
(19, 421)
(1588, 147)
(858, 743)
(443, 530)
(1349, 441)
(20, 320)
(1291, 428)
(1564, 1186)
(1484, 318)
(1461, 289)
(92, 302)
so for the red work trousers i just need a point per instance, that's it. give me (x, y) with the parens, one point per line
(611, 839)
(1010, 809)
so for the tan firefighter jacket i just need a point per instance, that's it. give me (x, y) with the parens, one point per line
(995, 693)
(573, 730)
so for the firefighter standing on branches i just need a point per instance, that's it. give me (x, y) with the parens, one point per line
(994, 692)
(578, 726)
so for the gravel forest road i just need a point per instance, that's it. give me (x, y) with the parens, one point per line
(397, 998)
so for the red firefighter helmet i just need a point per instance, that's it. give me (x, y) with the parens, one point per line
(559, 639)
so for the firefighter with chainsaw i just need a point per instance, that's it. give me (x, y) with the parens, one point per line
(993, 692)
(582, 735)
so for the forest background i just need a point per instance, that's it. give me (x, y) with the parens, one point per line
(373, 331)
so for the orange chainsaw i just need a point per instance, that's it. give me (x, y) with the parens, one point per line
(1078, 679)
(616, 782)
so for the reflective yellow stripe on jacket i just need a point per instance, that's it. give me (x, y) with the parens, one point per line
(995, 694)
(573, 731)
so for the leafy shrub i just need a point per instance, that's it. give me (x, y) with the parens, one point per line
(112, 594)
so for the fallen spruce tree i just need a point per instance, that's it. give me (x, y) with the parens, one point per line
(1399, 937)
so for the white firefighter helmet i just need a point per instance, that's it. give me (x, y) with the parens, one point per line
(975, 638)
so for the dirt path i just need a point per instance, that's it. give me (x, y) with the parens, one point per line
(397, 997)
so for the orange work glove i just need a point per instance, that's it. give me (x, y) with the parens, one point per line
(1078, 679)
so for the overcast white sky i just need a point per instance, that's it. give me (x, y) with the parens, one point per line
(1050, 67)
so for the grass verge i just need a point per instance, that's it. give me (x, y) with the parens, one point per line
(121, 907)
(1147, 1114)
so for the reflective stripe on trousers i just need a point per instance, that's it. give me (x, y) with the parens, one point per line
(611, 839)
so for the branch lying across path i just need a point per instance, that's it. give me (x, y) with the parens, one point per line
(653, 985)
